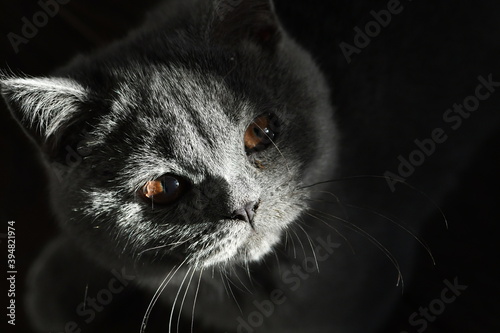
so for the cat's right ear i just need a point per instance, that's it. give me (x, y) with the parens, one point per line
(246, 20)
(44, 107)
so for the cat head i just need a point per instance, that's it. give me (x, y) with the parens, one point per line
(189, 140)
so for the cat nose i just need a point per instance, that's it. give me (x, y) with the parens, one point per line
(246, 213)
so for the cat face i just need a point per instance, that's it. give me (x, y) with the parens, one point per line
(187, 148)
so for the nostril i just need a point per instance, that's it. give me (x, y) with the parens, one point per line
(240, 214)
(246, 213)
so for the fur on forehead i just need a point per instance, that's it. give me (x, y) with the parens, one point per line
(163, 90)
(174, 116)
(170, 100)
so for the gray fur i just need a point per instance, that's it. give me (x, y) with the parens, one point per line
(180, 105)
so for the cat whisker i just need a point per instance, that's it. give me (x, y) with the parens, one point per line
(336, 231)
(397, 223)
(213, 272)
(175, 301)
(247, 266)
(223, 280)
(194, 301)
(293, 247)
(372, 240)
(242, 283)
(300, 242)
(157, 294)
(312, 247)
(400, 181)
(85, 296)
(152, 249)
(231, 291)
(277, 261)
(286, 239)
(338, 201)
(173, 245)
(180, 242)
(184, 297)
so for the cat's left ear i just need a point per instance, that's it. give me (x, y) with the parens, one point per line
(246, 20)
(43, 106)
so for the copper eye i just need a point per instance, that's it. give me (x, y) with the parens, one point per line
(261, 133)
(164, 190)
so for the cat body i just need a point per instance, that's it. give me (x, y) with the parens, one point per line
(254, 240)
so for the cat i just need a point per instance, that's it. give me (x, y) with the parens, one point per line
(202, 156)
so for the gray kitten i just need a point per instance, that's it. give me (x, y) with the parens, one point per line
(183, 157)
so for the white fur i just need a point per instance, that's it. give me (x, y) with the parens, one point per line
(46, 103)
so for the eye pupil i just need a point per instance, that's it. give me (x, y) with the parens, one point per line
(164, 190)
(261, 133)
(170, 185)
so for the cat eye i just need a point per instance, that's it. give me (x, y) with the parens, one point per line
(163, 190)
(261, 133)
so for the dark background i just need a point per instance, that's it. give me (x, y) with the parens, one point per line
(469, 249)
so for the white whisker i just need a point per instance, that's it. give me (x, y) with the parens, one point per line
(398, 224)
(312, 247)
(184, 297)
(293, 247)
(336, 231)
(242, 283)
(231, 292)
(372, 239)
(157, 294)
(195, 298)
(300, 242)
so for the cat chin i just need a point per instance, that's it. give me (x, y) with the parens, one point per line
(248, 255)
(251, 247)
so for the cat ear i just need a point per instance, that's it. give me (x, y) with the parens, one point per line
(43, 106)
(251, 20)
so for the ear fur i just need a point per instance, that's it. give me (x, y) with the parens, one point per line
(43, 106)
(250, 20)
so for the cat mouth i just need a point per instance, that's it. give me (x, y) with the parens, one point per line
(242, 243)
